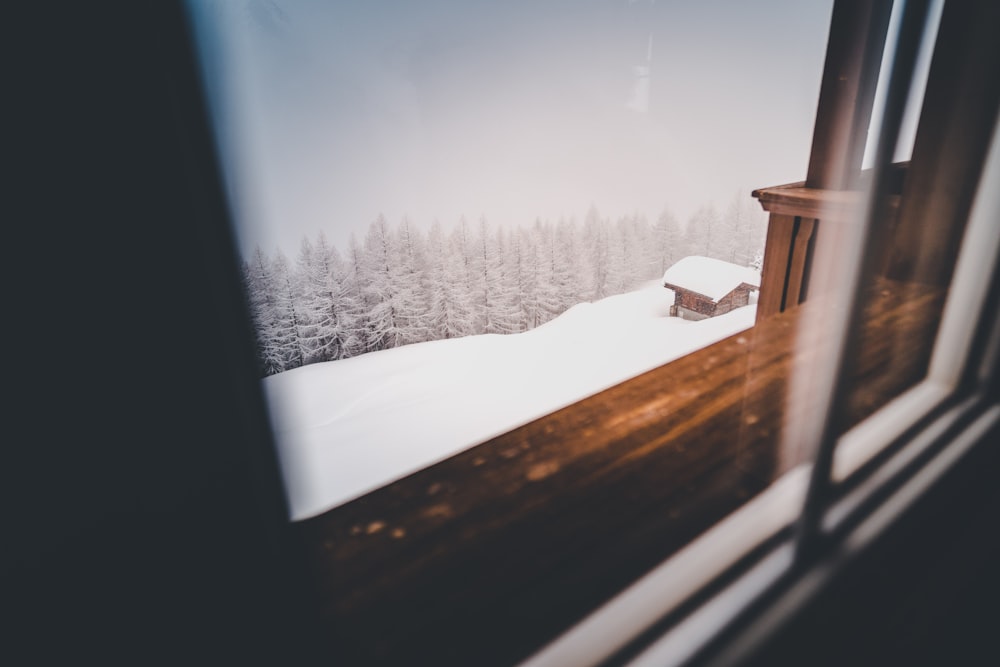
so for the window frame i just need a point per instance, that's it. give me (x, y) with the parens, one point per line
(771, 507)
(876, 473)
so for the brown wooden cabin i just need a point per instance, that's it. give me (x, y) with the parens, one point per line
(705, 287)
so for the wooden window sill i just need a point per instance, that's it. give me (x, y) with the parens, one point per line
(484, 557)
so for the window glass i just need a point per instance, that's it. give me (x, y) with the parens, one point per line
(904, 251)
(458, 216)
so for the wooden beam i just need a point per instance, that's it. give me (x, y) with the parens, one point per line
(802, 218)
(824, 204)
(957, 119)
(795, 199)
(797, 262)
(774, 273)
(853, 56)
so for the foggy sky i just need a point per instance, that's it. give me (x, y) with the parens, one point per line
(329, 113)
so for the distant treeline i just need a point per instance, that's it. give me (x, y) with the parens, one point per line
(402, 285)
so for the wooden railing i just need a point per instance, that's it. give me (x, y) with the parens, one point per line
(800, 218)
(918, 237)
(815, 210)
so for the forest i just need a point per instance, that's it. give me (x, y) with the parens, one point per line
(402, 285)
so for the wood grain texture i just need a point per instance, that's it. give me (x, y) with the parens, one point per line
(805, 219)
(958, 116)
(838, 206)
(774, 272)
(797, 261)
(484, 557)
(847, 92)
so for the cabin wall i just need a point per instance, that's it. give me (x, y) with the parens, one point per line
(694, 306)
(684, 313)
(738, 298)
(693, 303)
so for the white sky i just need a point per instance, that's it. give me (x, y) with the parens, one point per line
(329, 113)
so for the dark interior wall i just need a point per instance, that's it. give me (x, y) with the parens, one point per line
(925, 593)
(143, 516)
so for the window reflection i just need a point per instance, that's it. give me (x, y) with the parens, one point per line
(612, 485)
(412, 180)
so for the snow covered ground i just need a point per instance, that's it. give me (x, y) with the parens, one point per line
(347, 427)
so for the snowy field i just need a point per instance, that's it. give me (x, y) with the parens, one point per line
(347, 427)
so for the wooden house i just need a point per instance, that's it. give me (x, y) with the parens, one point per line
(705, 287)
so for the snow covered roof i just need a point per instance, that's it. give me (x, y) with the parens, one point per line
(713, 278)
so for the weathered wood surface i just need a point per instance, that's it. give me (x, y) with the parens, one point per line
(794, 199)
(482, 558)
(774, 273)
(957, 119)
(704, 305)
(802, 218)
(847, 92)
(797, 262)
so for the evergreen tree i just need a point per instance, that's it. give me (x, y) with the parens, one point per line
(667, 241)
(547, 294)
(491, 296)
(355, 284)
(620, 268)
(632, 256)
(409, 284)
(697, 237)
(723, 237)
(566, 275)
(327, 308)
(525, 279)
(646, 263)
(748, 228)
(462, 274)
(286, 331)
(506, 312)
(301, 276)
(401, 287)
(261, 292)
(442, 293)
(596, 248)
(385, 317)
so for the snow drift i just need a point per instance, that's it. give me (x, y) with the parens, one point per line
(347, 427)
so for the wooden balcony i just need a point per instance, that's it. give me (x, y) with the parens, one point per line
(801, 217)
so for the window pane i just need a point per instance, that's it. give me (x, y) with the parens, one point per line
(408, 172)
(917, 229)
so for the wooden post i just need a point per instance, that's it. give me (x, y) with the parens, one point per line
(957, 119)
(853, 56)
